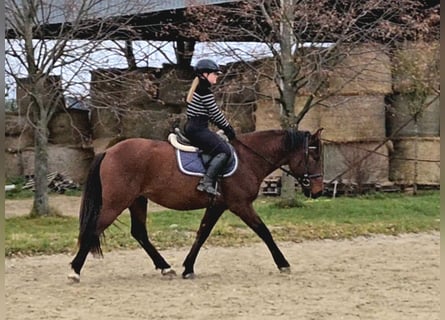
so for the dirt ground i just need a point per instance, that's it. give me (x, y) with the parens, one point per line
(381, 277)
(66, 205)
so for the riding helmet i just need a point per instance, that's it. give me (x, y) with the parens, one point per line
(207, 65)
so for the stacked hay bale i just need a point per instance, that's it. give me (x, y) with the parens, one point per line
(413, 119)
(127, 104)
(70, 127)
(19, 135)
(235, 93)
(352, 113)
(68, 133)
(353, 116)
(268, 109)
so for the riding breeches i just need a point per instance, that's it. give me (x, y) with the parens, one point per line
(202, 137)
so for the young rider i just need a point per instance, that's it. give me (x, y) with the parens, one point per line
(202, 109)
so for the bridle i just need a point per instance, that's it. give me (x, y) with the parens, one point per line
(305, 180)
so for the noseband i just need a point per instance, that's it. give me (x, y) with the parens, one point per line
(306, 179)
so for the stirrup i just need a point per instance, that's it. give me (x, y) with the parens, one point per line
(207, 188)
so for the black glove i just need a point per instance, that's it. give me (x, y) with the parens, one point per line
(229, 132)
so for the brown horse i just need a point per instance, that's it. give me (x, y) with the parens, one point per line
(134, 170)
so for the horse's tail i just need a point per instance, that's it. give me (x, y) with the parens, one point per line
(90, 207)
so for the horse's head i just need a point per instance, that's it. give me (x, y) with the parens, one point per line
(307, 166)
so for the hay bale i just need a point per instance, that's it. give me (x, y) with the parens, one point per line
(313, 119)
(18, 143)
(266, 88)
(341, 157)
(105, 121)
(118, 93)
(72, 162)
(115, 91)
(142, 124)
(403, 168)
(124, 89)
(71, 127)
(50, 90)
(365, 69)
(147, 124)
(101, 144)
(347, 118)
(237, 85)
(13, 165)
(306, 63)
(403, 108)
(416, 67)
(237, 93)
(241, 116)
(267, 115)
(18, 132)
(16, 124)
(173, 88)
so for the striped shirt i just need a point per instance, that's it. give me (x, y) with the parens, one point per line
(203, 104)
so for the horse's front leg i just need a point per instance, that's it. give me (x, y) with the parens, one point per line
(251, 218)
(211, 216)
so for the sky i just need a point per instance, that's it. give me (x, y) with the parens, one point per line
(146, 54)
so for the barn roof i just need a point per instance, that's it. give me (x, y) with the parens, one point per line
(146, 19)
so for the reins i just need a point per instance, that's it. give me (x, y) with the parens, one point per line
(305, 180)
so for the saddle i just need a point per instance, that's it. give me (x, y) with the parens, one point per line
(193, 161)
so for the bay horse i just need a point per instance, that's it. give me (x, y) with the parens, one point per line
(136, 170)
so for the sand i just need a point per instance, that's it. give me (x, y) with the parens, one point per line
(380, 277)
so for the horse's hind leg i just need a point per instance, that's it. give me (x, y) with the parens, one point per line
(138, 211)
(208, 221)
(91, 241)
(81, 256)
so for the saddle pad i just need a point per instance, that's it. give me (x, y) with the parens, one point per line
(191, 163)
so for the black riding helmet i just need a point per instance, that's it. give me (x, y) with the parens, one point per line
(207, 65)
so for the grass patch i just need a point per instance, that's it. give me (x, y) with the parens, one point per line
(323, 218)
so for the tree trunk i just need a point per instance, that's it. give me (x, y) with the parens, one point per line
(184, 53)
(287, 187)
(41, 204)
(286, 84)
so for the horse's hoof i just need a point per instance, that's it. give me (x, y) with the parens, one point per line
(168, 272)
(188, 276)
(74, 277)
(285, 269)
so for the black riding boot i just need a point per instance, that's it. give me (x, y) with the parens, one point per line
(207, 182)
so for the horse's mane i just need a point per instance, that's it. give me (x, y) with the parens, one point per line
(288, 140)
(294, 138)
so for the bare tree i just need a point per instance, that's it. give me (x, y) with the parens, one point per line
(309, 39)
(29, 24)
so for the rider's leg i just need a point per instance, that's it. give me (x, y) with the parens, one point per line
(215, 167)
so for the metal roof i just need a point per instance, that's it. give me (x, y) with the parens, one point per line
(144, 20)
(147, 17)
(60, 11)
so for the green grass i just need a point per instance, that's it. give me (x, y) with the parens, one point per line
(342, 217)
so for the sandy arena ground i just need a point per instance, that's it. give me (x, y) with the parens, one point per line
(381, 277)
